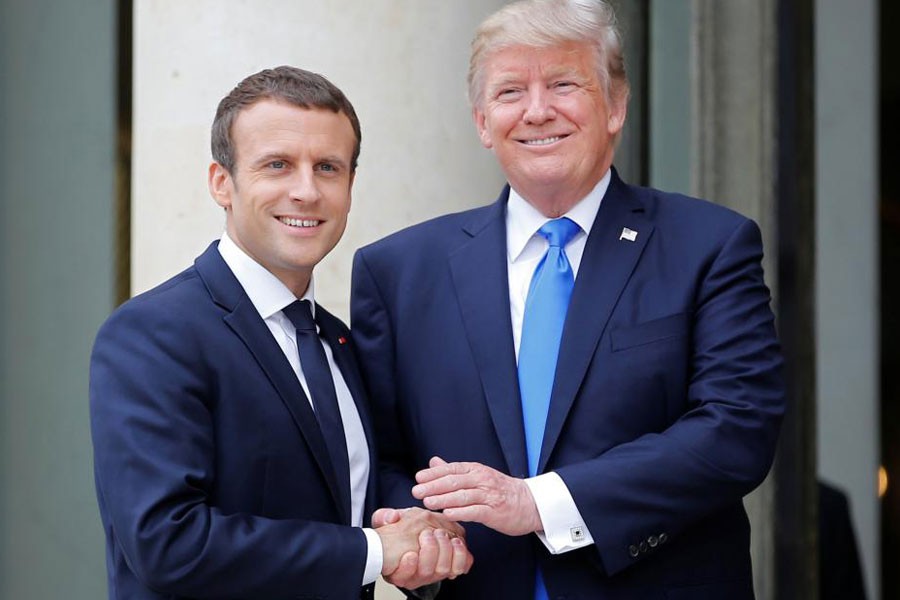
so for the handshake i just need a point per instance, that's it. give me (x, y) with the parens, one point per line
(422, 547)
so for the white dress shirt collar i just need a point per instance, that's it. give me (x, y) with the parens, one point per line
(523, 220)
(267, 293)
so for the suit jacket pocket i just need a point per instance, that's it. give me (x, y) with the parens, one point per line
(649, 332)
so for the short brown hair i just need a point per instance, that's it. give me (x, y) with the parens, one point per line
(288, 84)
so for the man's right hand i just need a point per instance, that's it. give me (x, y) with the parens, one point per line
(420, 547)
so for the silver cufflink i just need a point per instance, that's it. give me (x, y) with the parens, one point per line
(577, 534)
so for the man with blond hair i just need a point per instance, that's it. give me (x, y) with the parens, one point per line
(585, 369)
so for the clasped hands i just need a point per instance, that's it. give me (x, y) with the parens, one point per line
(469, 492)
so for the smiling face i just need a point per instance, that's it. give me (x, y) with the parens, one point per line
(288, 197)
(545, 115)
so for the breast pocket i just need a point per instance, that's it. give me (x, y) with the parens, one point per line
(649, 332)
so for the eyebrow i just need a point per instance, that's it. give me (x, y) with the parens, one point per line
(268, 157)
(505, 81)
(332, 158)
(272, 156)
(552, 73)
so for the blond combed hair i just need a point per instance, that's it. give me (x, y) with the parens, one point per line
(545, 23)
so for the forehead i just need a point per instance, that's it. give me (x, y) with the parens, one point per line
(269, 123)
(516, 62)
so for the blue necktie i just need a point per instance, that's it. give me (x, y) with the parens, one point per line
(542, 326)
(321, 387)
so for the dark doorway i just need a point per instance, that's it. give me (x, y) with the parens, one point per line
(890, 298)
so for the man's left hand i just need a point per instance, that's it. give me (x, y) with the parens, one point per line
(468, 491)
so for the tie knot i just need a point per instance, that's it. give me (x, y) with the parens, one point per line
(559, 231)
(300, 314)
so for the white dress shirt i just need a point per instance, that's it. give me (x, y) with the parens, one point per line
(564, 528)
(269, 296)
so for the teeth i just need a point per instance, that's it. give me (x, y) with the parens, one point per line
(543, 141)
(299, 222)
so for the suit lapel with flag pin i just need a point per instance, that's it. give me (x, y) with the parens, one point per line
(628, 234)
(596, 292)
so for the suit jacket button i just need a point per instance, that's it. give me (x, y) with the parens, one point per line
(653, 541)
(663, 538)
(643, 547)
(633, 551)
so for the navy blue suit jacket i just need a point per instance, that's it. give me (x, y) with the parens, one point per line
(212, 475)
(664, 411)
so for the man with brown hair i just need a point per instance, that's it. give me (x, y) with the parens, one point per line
(232, 438)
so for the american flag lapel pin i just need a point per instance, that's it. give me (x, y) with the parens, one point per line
(628, 234)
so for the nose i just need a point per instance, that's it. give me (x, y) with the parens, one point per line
(540, 107)
(304, 187)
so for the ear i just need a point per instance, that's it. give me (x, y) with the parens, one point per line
(616, 120)
(221, 186)
(350, 190)
(481, 125)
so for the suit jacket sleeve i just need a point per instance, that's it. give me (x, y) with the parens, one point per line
(153, 401)
(722, 446)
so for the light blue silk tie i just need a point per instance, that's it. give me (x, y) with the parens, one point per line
(545, 313)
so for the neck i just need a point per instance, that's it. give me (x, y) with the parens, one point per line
(553, 203)
(555, 199)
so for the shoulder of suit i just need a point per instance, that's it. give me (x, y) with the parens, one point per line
(665, 206)
(177, 295)
(174, 315)
(445, 227)
(185, 282)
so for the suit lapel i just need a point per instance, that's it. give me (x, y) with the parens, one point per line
(482, 286)
(338, 338)
(606, 265)
(245, 321)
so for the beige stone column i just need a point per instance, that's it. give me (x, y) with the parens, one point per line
(734, 143)
(753, 143)
(401, 62)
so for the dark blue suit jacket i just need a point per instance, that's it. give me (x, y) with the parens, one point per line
(212, 474)
(665, 408)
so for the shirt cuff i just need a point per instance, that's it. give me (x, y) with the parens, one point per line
(564, 528)
(374, 557)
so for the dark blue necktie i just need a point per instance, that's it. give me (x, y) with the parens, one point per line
(321, 388)
(542, 325)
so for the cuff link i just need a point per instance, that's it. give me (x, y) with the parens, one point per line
(577, 534)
